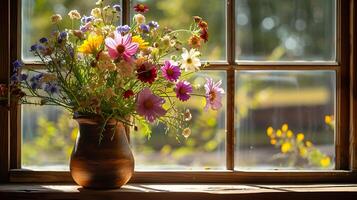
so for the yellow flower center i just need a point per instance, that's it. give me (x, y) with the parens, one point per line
(141, 6)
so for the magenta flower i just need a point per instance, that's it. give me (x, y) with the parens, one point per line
(149, 105)
(183, 90)
(170, 71)
(214, 94)
(121, 46)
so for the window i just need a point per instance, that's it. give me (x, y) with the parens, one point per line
(286, 66)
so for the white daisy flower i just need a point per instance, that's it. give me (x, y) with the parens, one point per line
(190, 61)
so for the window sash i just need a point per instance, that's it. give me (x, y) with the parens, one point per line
(346, 147)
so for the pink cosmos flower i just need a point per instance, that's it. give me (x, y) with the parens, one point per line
(170, 71)
(183, 90)
(121, 46)
(149, 105)
(214, 94)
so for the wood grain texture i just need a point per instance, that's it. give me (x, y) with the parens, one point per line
(22, 176)
(15, 109)
(343, 85)
(4, 78)
(179, 191)
(230, 124)
(353, 86)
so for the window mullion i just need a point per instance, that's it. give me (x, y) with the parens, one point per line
(230, 84)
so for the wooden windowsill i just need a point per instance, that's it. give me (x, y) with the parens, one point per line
(181, 191)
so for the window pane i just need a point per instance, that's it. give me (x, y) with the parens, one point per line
(285, 119)
(204, 149)
(36, 19)
(285, 30)
(49, 134)
(177, 14)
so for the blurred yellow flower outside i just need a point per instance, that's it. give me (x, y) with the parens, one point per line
(294, 149)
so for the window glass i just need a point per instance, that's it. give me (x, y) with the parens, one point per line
(204, 149)
(36, 19)
(285, 119)
(49, 133)
(177, 14)
(285, 30)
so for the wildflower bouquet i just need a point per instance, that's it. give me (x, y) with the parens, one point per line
(133, 74)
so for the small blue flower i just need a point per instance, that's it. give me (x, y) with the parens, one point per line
(34, 47)
(63, 35)
(123, 29)
(71, 51)
(117, 7)
(86, 19)
(154, 24)
(43, 40)
(35, 85)
(17, 65)
(51, 88)
(145, 28)
(83, 28)
(14, 78)
(23, 77)
(36, 77)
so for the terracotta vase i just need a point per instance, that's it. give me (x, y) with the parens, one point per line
(105, 165)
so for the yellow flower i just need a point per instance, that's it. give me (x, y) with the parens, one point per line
(286, 147)
(142, 43)
(91, 44)
(284, 128)
(300, 137)
(303, 151)
(273, 141)
(328, 119)
(325, 162)
(270, 131)
(289, 134)
(278, 133)
(308, 144)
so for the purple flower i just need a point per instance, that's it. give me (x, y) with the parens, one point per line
(23, 77)
(214, 94)
(123, 29)
(117, 7)
(70, 51)
(153, 24)
(34, 47)
(86, 19)
(149, 105)
(183, 90)
(17, 65)
(37, 77)
(14, 78)
(170, 71)
(51, 88)
(145, 28)
(63, 35)
(43, 40)
(83, 28)
(35, 85)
